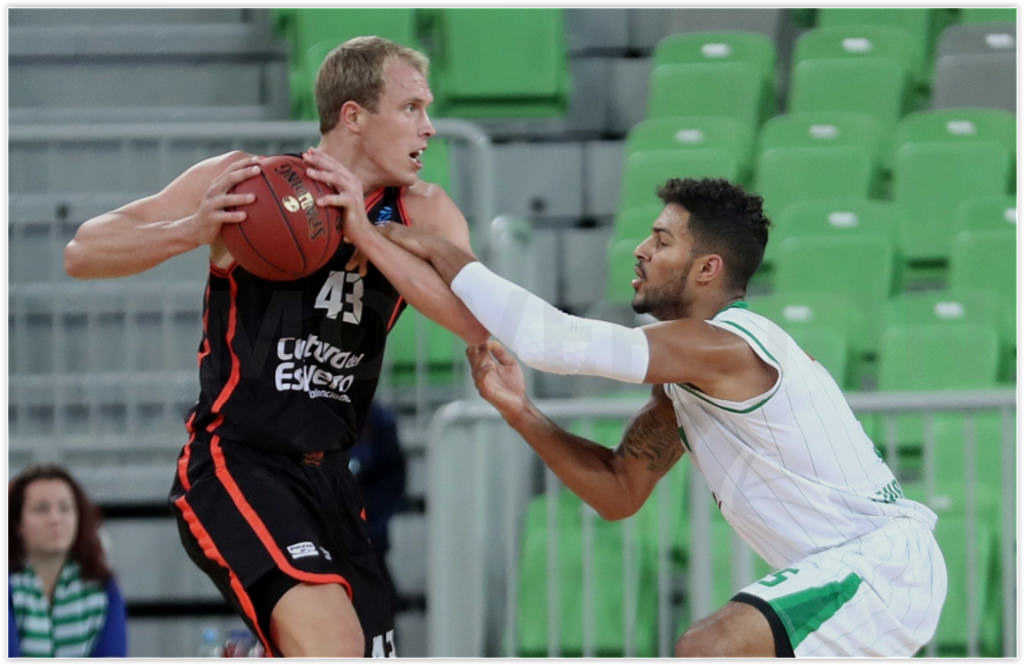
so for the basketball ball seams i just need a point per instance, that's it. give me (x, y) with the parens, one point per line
(285, 219)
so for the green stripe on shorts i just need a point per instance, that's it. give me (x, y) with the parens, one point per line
(803, 612)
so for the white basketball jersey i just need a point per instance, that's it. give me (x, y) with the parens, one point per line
(791, 470)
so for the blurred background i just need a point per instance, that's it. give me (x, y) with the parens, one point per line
(884, 144)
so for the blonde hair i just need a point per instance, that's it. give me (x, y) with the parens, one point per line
(355, 71)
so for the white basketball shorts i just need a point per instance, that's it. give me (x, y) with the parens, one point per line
(878, 595)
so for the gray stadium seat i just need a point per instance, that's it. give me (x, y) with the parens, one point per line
(976, 66)
(649, 26)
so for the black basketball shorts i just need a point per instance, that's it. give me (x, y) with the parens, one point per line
(258, 523)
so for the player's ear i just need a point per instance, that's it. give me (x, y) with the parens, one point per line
(350, 115)
(709, 267)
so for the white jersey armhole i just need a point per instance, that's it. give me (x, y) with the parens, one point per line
(748, 405)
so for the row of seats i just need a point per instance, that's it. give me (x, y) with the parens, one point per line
(938, 160)
(471, 75)
(608, 560)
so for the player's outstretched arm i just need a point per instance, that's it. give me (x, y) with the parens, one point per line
(433, 212)
(144, 233)
(614, 482)
(681, 351)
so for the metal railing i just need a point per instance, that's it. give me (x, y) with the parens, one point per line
(480, 475)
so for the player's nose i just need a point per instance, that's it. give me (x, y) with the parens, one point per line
(427, 130)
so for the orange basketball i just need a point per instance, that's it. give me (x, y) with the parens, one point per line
(285, 235)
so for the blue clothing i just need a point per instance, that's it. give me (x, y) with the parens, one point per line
(112, 640)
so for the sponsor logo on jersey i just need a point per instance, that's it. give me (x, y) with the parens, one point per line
(327, 555)
(385, 214)
(303, 549)
(293, 372)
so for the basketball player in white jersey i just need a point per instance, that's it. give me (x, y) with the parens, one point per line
(858, 570)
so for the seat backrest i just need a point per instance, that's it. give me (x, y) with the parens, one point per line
(635, 222)
(858, 41)
(987, 15)
(619, 287)
(993, 213)
(477, 43)
(788, 175)
(957, 125)
(920, 25)
(938, 356)
(930, 180)
(730, 46)
(837, 216)
(646, 170)
(941, 307)
(975, 80)
(732, 89)
(857, 267)
(996, 38)
(872, 85)
(814, 129)
(677, 132)
(985, 260)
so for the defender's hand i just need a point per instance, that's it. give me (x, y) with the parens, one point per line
(212, 211)
(411, 240)
(498, 377)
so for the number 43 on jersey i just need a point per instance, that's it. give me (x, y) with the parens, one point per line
(342, 293)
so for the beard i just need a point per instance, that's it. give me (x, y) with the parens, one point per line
(664, 302)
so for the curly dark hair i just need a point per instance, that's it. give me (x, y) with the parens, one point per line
(86, 548)
(724, 219)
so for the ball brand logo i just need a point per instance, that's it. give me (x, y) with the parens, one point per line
(303, 199)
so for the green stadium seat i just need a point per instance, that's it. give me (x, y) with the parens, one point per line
(921, 25)
(730, 89)
(646, 170)
(949, 504)
(788, 175)
(931, 179)
(478, 79)
(986, 260)
(315, 32)
(822, 129)
(844, 216)
(871, 85)
(860, 268)
(987, 15)
(858, 41)
(695, 132)
(717, 47)
(938, 356)
(948, 306)
(635, 223)
(619, 288)
(932, 356)
(606, 600)
(819, 322)
(959, 125)
(987, 213)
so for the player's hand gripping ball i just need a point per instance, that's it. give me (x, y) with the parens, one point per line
(285, 235)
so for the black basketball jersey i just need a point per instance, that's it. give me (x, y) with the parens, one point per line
(291, 367)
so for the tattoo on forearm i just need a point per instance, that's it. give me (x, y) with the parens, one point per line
(651, 440)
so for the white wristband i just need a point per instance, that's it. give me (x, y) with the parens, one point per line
(547, 339)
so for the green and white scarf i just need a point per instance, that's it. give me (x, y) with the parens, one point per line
(66, 629)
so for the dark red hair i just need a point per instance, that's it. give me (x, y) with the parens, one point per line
(86, 548)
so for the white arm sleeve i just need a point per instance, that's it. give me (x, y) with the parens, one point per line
(547, 339)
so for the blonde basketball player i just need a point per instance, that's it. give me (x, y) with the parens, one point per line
(858, 570)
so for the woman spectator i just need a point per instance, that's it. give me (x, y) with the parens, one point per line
(62, 597)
